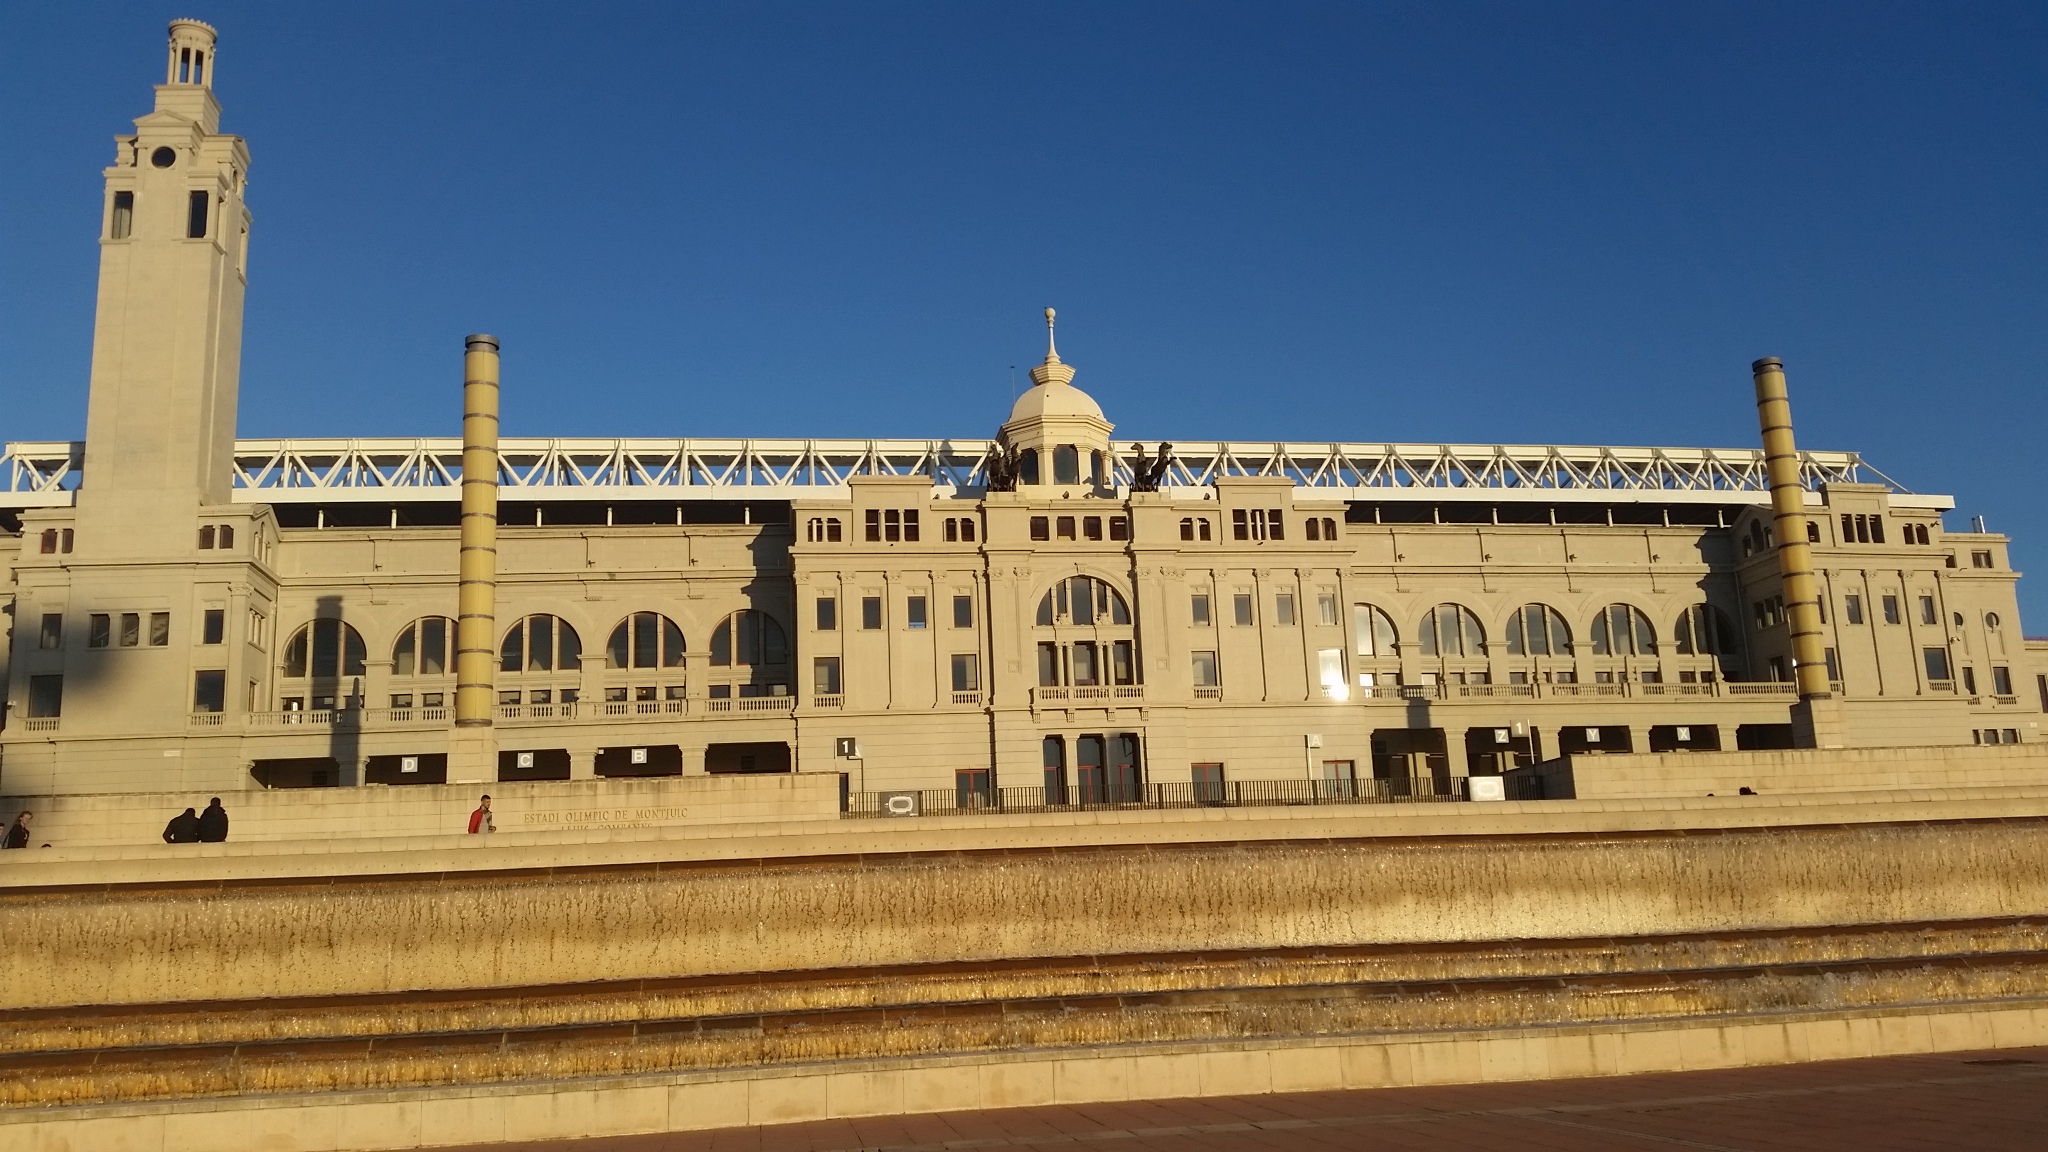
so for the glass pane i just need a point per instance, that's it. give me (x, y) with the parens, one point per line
(434, 645)
(540, 643)
(326, 647)
(401, 656)
(671, 644)
(645, 629)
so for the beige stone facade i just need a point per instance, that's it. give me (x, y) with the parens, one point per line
(1086, 631)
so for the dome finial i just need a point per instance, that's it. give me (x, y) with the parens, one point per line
(1052, 353)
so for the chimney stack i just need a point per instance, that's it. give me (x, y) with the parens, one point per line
(474, 754)
(1795, 560)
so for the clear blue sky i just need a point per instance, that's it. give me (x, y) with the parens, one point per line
(1427, 221)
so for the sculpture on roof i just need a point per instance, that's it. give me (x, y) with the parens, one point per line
(1148, 471)
(1002, 467)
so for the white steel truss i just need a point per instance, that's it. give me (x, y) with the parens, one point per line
(402, 471)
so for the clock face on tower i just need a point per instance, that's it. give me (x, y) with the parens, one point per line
(163, 157)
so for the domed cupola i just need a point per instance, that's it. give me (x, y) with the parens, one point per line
(1058, 431)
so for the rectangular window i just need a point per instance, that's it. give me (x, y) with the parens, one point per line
(1053, 757)
(195, 218)
(825, 676)
(1326, 609)
(914, 612)
(1330, 670)
(1187, 528)
(1834, 666)
(1877, 529)
(1276, 528)
(159, 629)
(1241, 609)
(1283, 609)
(214, 626)
(1240, 524)
(1936, 660)
(1123, 666)
(1205, 669)
(2001, 681)
(1199, 606)
(966, 673)
(53, 631)
(1927, 613)
(131, 629)
(973, 788)
(45, 696)
(1119, 528)
(1970, 681)
(1048, 664)
(1208, 782)
(401, 699)
(2041, 686)
(1066, 527)
(1980, 559)
(99, 631)
(828, 613)
(963, 611)
(1852, 607)
(871, 612)
(1091, 527)
(892, 525)
(209, 691)
(952, 530)
(874, 525)
(1041, 528)
(205, 536)
(1086, 671)
(910, 525)
(1891, 609)
(123, 223)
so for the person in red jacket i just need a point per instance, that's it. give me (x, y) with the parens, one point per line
(480, 820)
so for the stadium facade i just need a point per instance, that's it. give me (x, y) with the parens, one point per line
(1053, 608)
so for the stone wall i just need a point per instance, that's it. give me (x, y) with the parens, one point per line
(1614, 777)
(416, 810)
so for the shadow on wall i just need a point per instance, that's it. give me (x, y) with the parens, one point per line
(330, 656)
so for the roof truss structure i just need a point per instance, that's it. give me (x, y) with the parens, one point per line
(400, 471)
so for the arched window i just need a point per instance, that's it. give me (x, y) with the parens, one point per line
(645, 640)
(425, 648)
(1538, 630)
(541, 644)
(1452, 630)
(326, 649)
(748, 637)
(1066, 464)
(1704, 630)
(1085, 601)
(1375, 629)
(1621, 630)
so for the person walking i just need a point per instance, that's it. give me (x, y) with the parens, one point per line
(480, 820)
(183, 828)
(213, 823)
(17, 834)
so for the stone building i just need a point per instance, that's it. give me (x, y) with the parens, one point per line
(1054, 608)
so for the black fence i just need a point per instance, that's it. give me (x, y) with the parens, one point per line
(963, 801)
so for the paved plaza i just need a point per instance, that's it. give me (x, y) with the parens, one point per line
(1981, 1101)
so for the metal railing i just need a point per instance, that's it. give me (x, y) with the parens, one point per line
(967, 801)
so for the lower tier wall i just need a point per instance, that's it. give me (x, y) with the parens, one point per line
(380, 1121)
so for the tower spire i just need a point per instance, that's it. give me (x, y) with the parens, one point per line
(1052, 352)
